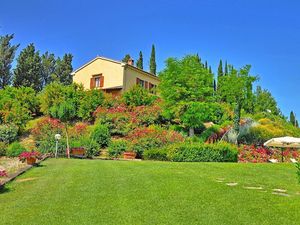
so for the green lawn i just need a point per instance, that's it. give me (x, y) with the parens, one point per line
(118, 192)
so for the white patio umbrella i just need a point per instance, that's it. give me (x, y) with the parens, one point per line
(283, 142)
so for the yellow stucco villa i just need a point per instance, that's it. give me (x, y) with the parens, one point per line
(113, 76)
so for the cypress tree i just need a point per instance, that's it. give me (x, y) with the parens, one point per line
(297, 125)
(29, 69)
(292, 118)
(209, 70)
(7, 55)
(215, 85)
(153, 61)
(226, 69)
(126, 58)
(220, 69)
(139, 62)
(206, 65)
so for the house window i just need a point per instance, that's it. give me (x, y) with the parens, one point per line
(142, 83)
(97, 82)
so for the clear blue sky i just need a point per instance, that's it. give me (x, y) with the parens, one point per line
(263, 33)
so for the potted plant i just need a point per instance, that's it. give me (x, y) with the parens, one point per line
(30, 157)
(77, 149)
(129, 154)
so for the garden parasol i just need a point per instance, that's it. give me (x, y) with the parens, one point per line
(283, 142)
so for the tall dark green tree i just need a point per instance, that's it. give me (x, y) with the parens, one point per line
(140, 62)
(64, 69)
(210, 70)
(153, 61)
(215, 86)
(292, 118)
(7, 55)
(29, 69)
(126, 58)
(220, 69)
(206, 65)
(226, 69)
(48, 68)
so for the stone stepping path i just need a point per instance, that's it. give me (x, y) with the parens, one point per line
(281, 194)
(275, 191)
(231, 184)
(253, 188)
(279, 190)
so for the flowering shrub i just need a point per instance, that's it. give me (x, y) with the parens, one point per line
(79, 129)
(122, 119)
(25, 155)
(144, 138)
(260, 154)
(3, 173)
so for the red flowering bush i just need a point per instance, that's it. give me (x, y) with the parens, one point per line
(261, 154)
(254, 154)
(3, 173)
(25, 155)
(144, 138)
(79, 129)
(122, 119)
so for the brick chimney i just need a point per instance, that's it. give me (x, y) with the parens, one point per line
(130, 62)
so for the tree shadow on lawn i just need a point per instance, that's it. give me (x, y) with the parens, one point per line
(4, 189)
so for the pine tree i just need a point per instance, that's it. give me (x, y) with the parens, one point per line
(220, 69)
(48, 68)
(29, 68)
(226, 69)
(126, 58)
(292, 118)
(153, 61)
(140, 62)
(64, 69)
(7, 55)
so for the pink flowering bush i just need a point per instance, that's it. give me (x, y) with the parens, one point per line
(261, 154)
(122, 119)
(3, 173)
(25, 155)
(144, 138)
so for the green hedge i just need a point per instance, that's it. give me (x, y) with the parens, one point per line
(160, 154)
(194, 152)
(200, 152)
